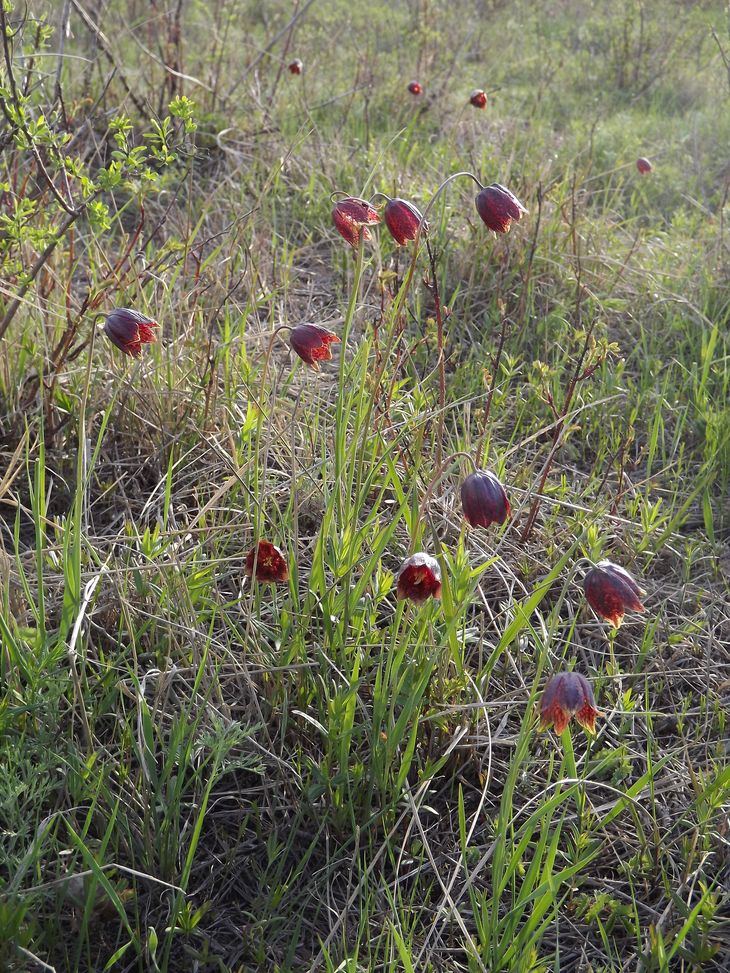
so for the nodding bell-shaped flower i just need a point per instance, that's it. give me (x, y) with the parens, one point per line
(478, 98)
(352, 216)
(611, 592)
(419, 578)
(295, 66)
(644, 166)
(403, 219)
(266, 563)
(129, 330)
(484, 500)
(415, 88)
(312, 343)
(568, 694)
(497, 206)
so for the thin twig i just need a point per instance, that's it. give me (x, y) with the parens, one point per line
(18, 121)
(67, 222)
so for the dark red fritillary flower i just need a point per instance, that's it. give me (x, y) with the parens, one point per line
(611, 592)
(568, 694)
(484, 500)
(296, 66)
(415, 88)
(643, 165)
(497, 206)
(268, 563)
(478, 98)
(129, 330)
(419, 578)
(402, 219)
(312, 343)
(352, 216)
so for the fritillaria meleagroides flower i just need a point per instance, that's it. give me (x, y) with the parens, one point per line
(266, 563)
(419, 578)
(478, 98)
(403, 219)
(484, 500)
(568, 694)
(497, 207)
(611, 592)
(352, 217)
(643, 165)
(415, 88)
(129, 330)
(312, 343)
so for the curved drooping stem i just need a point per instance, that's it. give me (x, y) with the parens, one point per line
(492, 387)
(440, 346)
(579, 374)
(73, 606)
(269, 349)
(259, 427)
(340, 437)
(423, 228)
(439, 475)
(444, 184)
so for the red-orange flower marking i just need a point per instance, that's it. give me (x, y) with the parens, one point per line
(611, 592)
(419, 578)
(268, 563)
(568, 694)
(129, 330)
(402, 219)
(352, 216)
(497, 206)
(312, 343)
(484, 500)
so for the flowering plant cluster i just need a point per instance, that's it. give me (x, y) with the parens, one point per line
(609, 589)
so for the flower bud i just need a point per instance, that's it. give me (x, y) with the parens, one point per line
(402, 219)
(312, 343)
(419, 578)
(129, 330)
(568, 694)
(497, 206)
(611, 592)
(415, 88)
(484, 500)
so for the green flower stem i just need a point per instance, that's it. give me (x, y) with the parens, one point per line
(340, 421)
